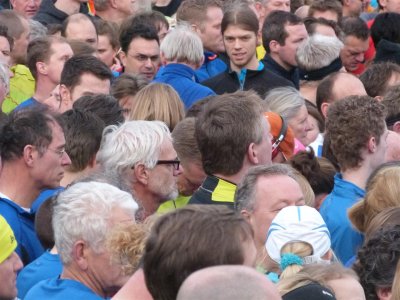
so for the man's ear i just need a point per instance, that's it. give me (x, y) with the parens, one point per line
(30, 153)
(253, 154)
(163, 59)
(274, 46)
(396, 127)
(79, 253)
(41, 68)
(384, 293)
(372, 146)
(122, 57)
(141, 174)
(66, 98)
(324, 109)
(246, 215)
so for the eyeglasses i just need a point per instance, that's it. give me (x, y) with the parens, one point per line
(175, 163)
(59, 152)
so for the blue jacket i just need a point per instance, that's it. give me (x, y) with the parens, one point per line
(345, 240)
(183, 79)
(21, 222)
(211, 66)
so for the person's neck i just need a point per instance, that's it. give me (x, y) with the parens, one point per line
(70, 177)
(358, 176)
(70, 7)
(278, 60)
(16, 184)
(44, 88)
(74, 273)
(251, 65)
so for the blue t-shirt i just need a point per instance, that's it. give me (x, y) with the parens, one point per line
(43, 196)
(345, 240)
(28, 103)
(21, 222)
(46, 266)
(61, 289)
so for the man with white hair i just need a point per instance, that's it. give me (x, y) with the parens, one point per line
(94, 209)
(142, 155)
(181, 55)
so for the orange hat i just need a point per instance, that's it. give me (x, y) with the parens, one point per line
(278, 124)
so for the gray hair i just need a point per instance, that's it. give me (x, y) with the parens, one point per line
(318, 51)
(84, 211)
(245, 196)
(285, 101)
(36, 30)
(132, 143)
(183, 46)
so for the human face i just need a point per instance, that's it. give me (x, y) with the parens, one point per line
(272, 5)
(299, 125)
(48, 169)
(393, 147)
(271, 195)
(162, 178)
(312, 134)
(347, 288)
(241, 46)
(27, 8)
(353, 52)
(82, 30)
(329, 15)
(126, 7)
(8, 274)
(249, 253)
(5, 50)
(21, 44)
(61, 52)
(287, 52)
(263, 150)
(355, 7)
(162, 33)
(143, 57)
(127, 103)
(390, 5)
(210, 30)
(191, 178)
(105, 51)
(103, 270)
(381, 149)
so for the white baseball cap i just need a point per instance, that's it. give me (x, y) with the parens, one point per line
(298, 224)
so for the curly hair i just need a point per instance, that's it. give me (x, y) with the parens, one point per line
(377, 260)
(350, 123)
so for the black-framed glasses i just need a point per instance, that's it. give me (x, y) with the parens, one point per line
(175, 163)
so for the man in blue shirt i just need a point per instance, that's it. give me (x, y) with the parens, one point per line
(88, 271)
(205, 19)
(32, 147)
(182, 54)
(357, 131)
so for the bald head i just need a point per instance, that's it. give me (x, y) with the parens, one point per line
(336, 87)
(227, 283)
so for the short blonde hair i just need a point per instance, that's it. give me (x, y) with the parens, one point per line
(160, 102)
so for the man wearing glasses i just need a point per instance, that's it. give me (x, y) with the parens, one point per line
(140, 49)
(141, 155)
(32, 147)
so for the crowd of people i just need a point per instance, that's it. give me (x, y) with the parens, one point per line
(200, 149)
